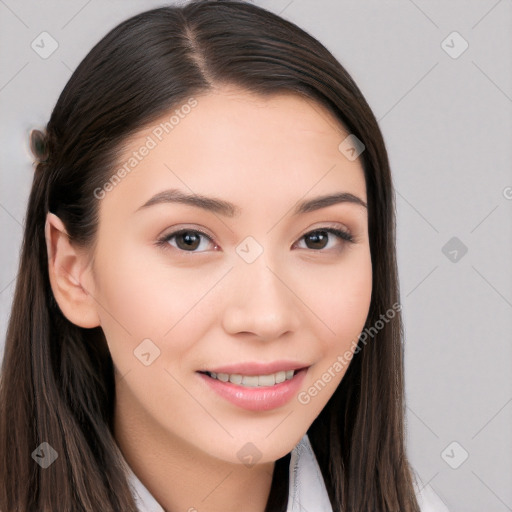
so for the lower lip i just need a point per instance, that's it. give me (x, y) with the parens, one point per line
(262, 398)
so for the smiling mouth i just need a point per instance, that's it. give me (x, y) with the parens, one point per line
(263, 392)
(253, 381)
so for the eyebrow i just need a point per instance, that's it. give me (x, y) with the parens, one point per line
(230, 210)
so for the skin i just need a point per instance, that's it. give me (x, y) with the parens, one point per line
(294, 301)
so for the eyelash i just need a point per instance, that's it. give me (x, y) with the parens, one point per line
(345, 236)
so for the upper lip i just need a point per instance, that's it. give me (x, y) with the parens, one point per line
(257, 368)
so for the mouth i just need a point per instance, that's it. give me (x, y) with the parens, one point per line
(263, 392)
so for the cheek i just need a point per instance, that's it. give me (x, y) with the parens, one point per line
(342, 303)
(142, 298)
(340, 299)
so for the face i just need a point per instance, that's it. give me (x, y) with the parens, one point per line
(256, 287)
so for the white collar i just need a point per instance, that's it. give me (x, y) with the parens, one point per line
(306, 489)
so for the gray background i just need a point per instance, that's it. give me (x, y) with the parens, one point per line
(447, 124)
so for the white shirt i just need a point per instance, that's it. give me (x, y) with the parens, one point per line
(307, 489)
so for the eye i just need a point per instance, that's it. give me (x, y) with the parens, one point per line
(319, 238)
(187, 240)
(190, 240)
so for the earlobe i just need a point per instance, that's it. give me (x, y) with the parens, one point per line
(68, 269)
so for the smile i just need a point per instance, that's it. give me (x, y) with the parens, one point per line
(255, 392)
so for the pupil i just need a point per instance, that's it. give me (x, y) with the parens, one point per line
(318, 237)
(190, 238)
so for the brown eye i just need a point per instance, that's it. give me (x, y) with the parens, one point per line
(320, 238)
(187, 240)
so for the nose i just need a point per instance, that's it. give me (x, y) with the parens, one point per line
(261, 301)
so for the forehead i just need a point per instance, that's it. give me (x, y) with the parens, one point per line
(237, 144)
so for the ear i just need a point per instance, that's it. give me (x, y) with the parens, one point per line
(69, 271)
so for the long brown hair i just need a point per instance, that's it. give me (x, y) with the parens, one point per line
(57, 380)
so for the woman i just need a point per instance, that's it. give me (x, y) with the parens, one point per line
(206, 315)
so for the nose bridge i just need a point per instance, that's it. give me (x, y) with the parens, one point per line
(260, 302)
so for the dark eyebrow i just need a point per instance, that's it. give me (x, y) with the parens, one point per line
(207, 203)
(230, 210)
(327, 200)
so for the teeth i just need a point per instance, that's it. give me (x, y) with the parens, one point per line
(262, 380)
(280, 377)
(235, 379)
(253, 381)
